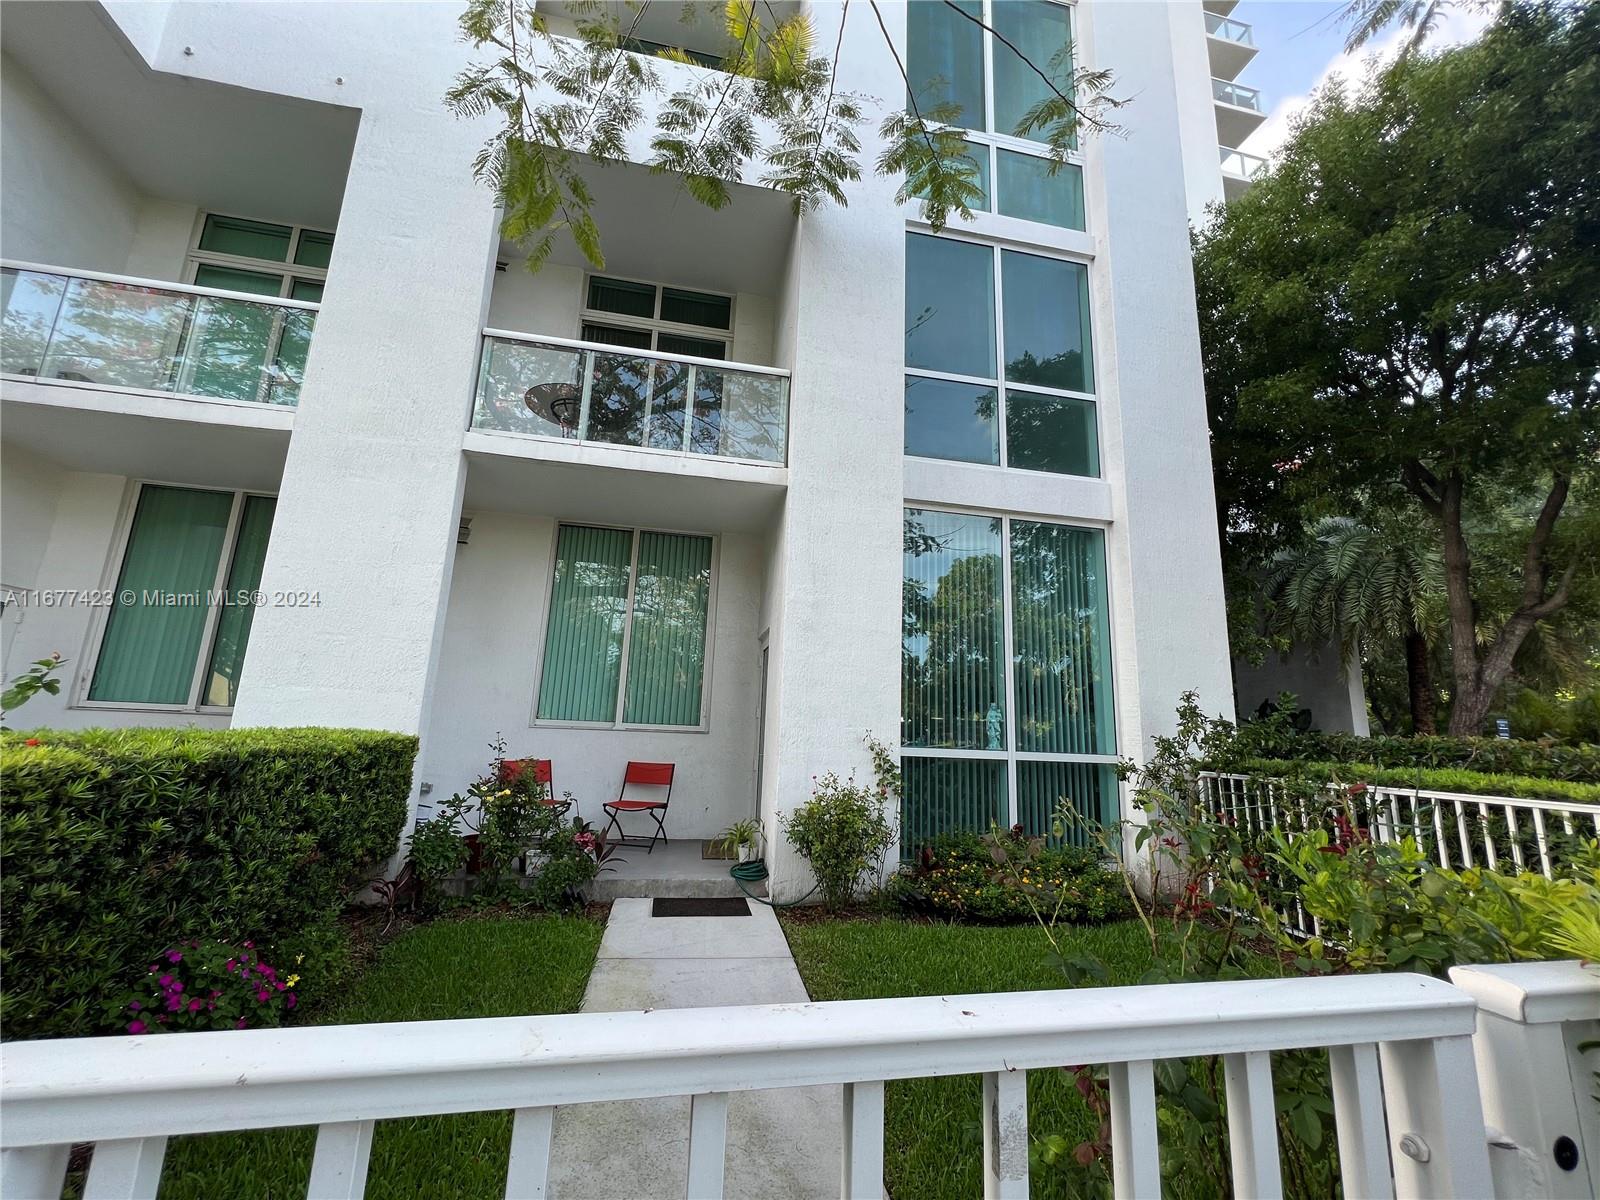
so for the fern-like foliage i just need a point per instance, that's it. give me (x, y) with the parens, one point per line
(771, 112)
(1365, 19)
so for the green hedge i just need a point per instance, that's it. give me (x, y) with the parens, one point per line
(1476, 783)
(117, 843)
(1492, 756)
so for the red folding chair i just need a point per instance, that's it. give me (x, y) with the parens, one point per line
(642, 775)
(513, 769)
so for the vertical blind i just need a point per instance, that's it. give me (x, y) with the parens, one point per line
(1087, 790)
(952, 664)
(944, 795)
(244, 577)
(588, 604)
(152, 644)
(667, 645)
(589, 614)
(1062, 652)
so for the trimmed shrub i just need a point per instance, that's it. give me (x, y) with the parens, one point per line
(961, 877)
(1475, 783)
(1492, 756)
(118, 844)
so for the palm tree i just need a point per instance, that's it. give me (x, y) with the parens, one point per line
(1357, 583)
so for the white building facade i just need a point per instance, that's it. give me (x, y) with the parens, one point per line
(292, 437)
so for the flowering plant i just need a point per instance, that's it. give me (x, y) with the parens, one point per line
(201, 985)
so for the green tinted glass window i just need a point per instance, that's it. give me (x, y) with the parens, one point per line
(949, 306)
(1028, 190)
(622, 296)
(1051, 433)
(588, 607)
(232, 279)
(667, 643)
(1047, 321)
(1040, 30)
(238, 605)
(314, 249)
(944, 58)
(949, 419)
(247, 239)
(696, 308)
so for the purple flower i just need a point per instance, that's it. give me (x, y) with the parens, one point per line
(165, 981)
(249, 945)
(174, 956)
(263, 995)
(288, 1001)
(230, 964)
(135, 1006)
(174, 1003)
(239, 1024)
(196, 1005)
(136, 1026)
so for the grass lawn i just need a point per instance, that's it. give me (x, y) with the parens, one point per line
(933, 1143)
(491, 967)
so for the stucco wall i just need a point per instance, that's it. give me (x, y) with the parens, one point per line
(65, 204)
(1332, 690)
(489, 675)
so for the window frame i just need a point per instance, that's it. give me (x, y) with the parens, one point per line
(1010, 755)
(535, 721)
(999, 383)
(196, 258)
(101, 613)
(992, 140)
(653, 324)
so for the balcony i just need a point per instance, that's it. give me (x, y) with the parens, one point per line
(1229, 44)
(1239, 111)
(548, 387)
(114, 333)
(1238, 170)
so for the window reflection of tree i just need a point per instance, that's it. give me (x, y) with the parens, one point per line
(951, 632)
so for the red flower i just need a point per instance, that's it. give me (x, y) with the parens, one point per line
(31, 742)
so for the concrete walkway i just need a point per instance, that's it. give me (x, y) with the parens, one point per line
(782, 1144)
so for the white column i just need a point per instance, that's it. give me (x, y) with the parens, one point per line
(838, 546)
(1166, 569)
(370, 499)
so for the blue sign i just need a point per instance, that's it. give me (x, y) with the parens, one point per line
(1502, 727)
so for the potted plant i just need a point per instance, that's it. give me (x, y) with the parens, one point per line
(741, 840)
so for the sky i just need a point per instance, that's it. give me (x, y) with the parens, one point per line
(1301, 47)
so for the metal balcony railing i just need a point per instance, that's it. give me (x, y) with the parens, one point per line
(1240, 164)
(590, 392)
(1229, 29)
(141, 335)
(1236, 94)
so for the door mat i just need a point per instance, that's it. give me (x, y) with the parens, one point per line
(699, 906)
(715, 850)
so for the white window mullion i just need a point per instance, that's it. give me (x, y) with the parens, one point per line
(1009, 673)
(1000, 360)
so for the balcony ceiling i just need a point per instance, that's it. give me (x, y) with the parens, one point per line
(696, 25)
(650, 228)
(1228, 57)
(1235, 123)
(193, 141)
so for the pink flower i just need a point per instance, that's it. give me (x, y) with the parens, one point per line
(165, 981)
(239, 1024)
(136, 1027)
(263, 995)
(174, 956)
(249, 945)
(288, 1001)
(174, 1003)
(230, 964)
(136, 1006)
(196, 1005)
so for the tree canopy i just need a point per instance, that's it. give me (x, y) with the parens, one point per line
(1402, 316)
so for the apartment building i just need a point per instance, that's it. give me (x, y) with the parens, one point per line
(292, 436)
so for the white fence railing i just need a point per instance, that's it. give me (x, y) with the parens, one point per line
(1404, 1082)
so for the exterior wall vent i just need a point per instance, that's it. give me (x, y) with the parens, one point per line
(464, 534)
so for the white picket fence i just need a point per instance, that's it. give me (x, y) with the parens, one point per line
(1404, 1081)
(1502, 833)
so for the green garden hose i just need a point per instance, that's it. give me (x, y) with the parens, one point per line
(755, 871)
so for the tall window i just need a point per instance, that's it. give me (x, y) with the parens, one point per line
(953, 61)
(177, 631)
(626, 642)
(646, 316)
(998, 374)
(1006, 699)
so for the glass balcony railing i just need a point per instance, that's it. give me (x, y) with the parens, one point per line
(586, 392)
(1236, 94)
(1238, 163)
(1228, 29)
(71, 327)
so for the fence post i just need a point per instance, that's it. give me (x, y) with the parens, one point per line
(1538, 1052)
(1437, 1141)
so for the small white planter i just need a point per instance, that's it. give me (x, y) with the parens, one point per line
(746, 852)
